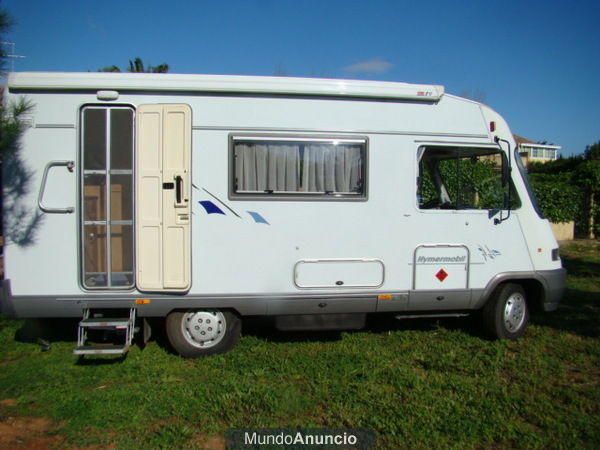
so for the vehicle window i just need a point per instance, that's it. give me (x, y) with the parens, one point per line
(329, 168)
(525, 178)
(463, 178)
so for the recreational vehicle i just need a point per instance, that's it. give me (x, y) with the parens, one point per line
(206, 199)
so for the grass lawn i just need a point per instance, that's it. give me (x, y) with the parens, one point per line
(421, 383)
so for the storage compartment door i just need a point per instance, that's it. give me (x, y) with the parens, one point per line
(163, 182)
(339, 273)
(441, 267)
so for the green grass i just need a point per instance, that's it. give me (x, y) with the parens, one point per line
(416, 383)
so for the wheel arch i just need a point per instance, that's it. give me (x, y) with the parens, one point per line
(533, 284)
(195, 308)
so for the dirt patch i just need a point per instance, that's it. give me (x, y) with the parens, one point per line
(8, 361)
(8, 402)
(577, 377)
(28, 432)
(204, 442)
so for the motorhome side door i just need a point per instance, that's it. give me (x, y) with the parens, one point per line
(163, 214)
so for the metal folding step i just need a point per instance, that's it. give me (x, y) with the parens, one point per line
(101, 320)
(100, 349)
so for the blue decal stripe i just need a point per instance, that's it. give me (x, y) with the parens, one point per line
(211, 208)
(257, 217)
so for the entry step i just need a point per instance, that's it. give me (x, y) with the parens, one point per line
(106, 322)
(114, 324)
(101, 349)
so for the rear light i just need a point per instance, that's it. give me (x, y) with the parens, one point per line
(555, 254)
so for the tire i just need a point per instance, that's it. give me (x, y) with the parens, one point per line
(505, 315)
(198, 333)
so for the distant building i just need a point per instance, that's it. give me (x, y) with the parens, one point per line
(534, 152)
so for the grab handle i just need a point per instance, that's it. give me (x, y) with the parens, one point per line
(70, 166)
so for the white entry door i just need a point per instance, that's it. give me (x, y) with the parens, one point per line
(163, 191)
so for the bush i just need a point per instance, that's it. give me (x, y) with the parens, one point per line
(560, 200)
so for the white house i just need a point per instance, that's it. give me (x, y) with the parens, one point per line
(534, 152)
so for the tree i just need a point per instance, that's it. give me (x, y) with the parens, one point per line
(568, 189)
(19, 224)
(136, 65)
(110, 69)
(558, 197)
(6, 23)
(592, 152)
(587, 175)
(558, 166)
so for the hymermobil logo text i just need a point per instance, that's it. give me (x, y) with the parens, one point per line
(441, 259)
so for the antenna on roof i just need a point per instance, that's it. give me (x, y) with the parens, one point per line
(11, 54)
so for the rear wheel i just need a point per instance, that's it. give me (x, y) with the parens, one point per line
(198, 333)
(506, 315)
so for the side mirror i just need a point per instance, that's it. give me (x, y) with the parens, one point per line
(505, 173)
(506, 170)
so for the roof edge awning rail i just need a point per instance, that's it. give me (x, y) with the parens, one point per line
(234, 84)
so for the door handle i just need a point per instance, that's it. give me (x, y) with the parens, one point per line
(181, 200)
(70, 166)
(178, 189)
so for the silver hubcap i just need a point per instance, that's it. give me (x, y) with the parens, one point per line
(514, 312)
(203, 329)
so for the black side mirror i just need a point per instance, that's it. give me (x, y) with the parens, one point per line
(505, 173)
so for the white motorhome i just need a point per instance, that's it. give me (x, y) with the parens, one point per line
(204, 199)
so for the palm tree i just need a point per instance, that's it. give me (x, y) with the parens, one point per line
(136, 65)
(110, 69)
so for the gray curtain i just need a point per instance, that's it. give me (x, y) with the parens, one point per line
(332, 168)
(316, 168)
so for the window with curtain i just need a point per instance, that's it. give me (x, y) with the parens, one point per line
(289, 167)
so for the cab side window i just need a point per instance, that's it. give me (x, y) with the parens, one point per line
(463, 178)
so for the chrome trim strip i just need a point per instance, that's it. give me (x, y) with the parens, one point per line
(160, 306)
(55, 125)
(456, 143)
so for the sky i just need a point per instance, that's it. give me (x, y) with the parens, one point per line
(535, 62)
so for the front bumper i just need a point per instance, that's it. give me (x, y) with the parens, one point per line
(6, 306)
(554, 283)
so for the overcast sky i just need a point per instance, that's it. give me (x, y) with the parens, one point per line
(536, 62)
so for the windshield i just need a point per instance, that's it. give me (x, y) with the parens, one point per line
(525, 178)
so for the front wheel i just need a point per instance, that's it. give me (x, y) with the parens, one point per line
(505, 314)
(198, 333)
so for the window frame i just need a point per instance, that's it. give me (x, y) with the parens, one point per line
(235, 138)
